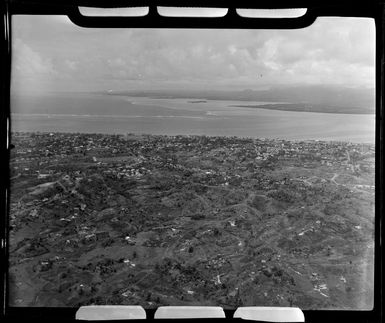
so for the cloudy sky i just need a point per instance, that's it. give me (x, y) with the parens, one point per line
(52, 54)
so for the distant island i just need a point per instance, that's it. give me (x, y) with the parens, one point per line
(198, 101)
(324, 99)
(303, 107)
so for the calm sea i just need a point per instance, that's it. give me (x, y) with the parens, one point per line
(102, 113)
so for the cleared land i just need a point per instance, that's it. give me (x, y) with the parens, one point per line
(187, 220)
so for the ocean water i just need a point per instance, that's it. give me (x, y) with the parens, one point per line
(101, 113)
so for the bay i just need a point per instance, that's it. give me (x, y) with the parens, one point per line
(103, 113)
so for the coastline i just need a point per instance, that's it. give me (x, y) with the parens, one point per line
(308, 108)
(192, 136)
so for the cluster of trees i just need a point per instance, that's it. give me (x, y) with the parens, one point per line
(284, 195)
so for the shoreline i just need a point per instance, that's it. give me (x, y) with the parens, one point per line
(301, 108)
(149, 135)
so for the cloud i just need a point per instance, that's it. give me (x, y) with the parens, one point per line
(331, 51)
(72, 65)
(30, 62)
(30, 69)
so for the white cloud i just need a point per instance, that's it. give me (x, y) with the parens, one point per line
(72, 65)
(29, 61)
(331, 51)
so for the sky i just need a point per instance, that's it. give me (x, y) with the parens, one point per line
(50, 53)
